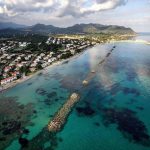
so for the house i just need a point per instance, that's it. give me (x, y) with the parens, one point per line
(6, 69)
(72, 51)
(33, 64)
(8, 80)
(42, 54)
(32, 69)
(22, 44)
(19, 65)
(16, 73)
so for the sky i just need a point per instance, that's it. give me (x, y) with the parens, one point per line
(130, 13)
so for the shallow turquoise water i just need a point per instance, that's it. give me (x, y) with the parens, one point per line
(113, 112)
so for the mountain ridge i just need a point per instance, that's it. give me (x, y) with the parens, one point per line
(91, 28)
(81, 28)
(11, 25)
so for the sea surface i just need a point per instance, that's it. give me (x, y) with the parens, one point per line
(113, 112)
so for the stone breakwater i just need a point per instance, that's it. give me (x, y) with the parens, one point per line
(93, 72)
(62, 114)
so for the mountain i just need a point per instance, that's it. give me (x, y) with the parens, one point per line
(75, 29)
(43, 29)
(11, 25)
(79, 29)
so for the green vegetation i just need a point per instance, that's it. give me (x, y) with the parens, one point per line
(66, 55)
(34, 38)
(25, 70)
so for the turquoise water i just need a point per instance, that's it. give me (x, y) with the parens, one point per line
(113, 112)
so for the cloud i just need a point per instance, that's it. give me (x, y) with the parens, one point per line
(58, 8)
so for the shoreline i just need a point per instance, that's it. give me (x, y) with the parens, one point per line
(21, 80)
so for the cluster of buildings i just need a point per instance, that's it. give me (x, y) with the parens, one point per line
(14, 65)
(70, 44)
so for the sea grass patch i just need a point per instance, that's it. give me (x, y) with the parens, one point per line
(128, 124)
(13, 119)
(44, 140)
(85, 111)
(134, 91)
(41, 91)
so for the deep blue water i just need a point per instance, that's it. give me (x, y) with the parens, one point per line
(113, 112)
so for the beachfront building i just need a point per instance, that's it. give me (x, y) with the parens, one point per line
(8, 68)
(8, 80)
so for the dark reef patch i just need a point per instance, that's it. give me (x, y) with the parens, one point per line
(140, 108)
(13, 119)
(131, 75)
(52, 94)
(41, 91)
(111, 101)
(97, 124)
(10, 127)
(115, 88)
(133, 91)
(34, 111)
(25, 131)
(48, 101)
(128, 124)
(23, 142)
(38, 142)
(85, 111)
(132, 101)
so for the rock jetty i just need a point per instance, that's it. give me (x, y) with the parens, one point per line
(60, 117)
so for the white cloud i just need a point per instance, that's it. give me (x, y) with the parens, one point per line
(57, 7)
(134, 14)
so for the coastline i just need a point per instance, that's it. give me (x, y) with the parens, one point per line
(21, 80)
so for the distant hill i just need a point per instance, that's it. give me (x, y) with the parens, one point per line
(79, 29)
(11, 25)
(75, 29)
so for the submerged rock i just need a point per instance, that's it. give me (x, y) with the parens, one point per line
(26, 131)
(11, 127)
(23, 142)
(128, 123)
(97, 124)
(133, 91)
(87, 111)
(13, 117)
(52, 94)
(40, 91)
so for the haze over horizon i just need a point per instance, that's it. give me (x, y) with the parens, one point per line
(62, 13)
